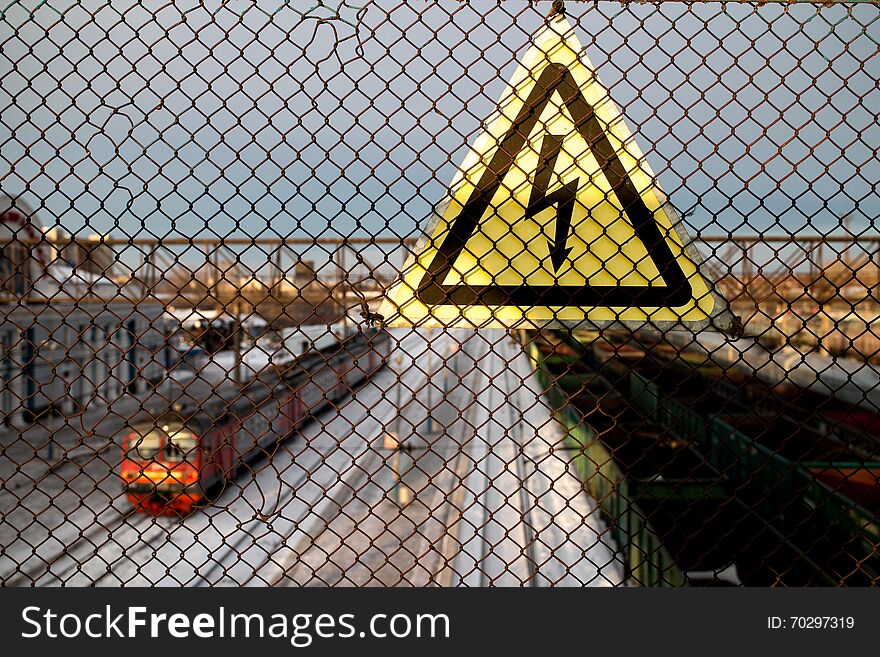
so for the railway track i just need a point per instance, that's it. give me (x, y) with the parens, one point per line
(526, 499)
(503, 535)
(384, 540)
(325, 510)
(90, 539)
(335, 492)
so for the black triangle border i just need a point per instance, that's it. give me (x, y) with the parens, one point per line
(676, 290)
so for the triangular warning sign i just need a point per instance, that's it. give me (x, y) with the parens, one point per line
(555, 218)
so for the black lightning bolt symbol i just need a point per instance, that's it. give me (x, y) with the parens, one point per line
(563, 198)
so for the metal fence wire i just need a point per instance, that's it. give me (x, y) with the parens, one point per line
(439, 293)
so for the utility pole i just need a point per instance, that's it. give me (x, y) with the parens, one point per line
(429, 382)
(236, 337)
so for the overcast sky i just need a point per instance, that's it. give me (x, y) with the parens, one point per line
(243, 120)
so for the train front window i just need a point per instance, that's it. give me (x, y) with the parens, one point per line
(167, 443)
(178, 444)
(146, 445)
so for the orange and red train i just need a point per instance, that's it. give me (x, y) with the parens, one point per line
(176, 460)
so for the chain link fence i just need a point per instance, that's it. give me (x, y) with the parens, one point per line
(205, 204)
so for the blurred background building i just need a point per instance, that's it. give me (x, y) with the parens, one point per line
(71, 332)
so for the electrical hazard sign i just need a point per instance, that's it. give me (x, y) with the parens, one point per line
(555, 218)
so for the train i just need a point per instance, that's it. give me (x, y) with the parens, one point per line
(701, 470)
(183, 457)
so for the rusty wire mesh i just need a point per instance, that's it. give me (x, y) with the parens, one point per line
(204, 203)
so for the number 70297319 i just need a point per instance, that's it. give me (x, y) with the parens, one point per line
(811, 622)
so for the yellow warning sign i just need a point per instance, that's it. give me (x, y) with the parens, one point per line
(555, 218)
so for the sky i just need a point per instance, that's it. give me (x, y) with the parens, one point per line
(210, 118)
